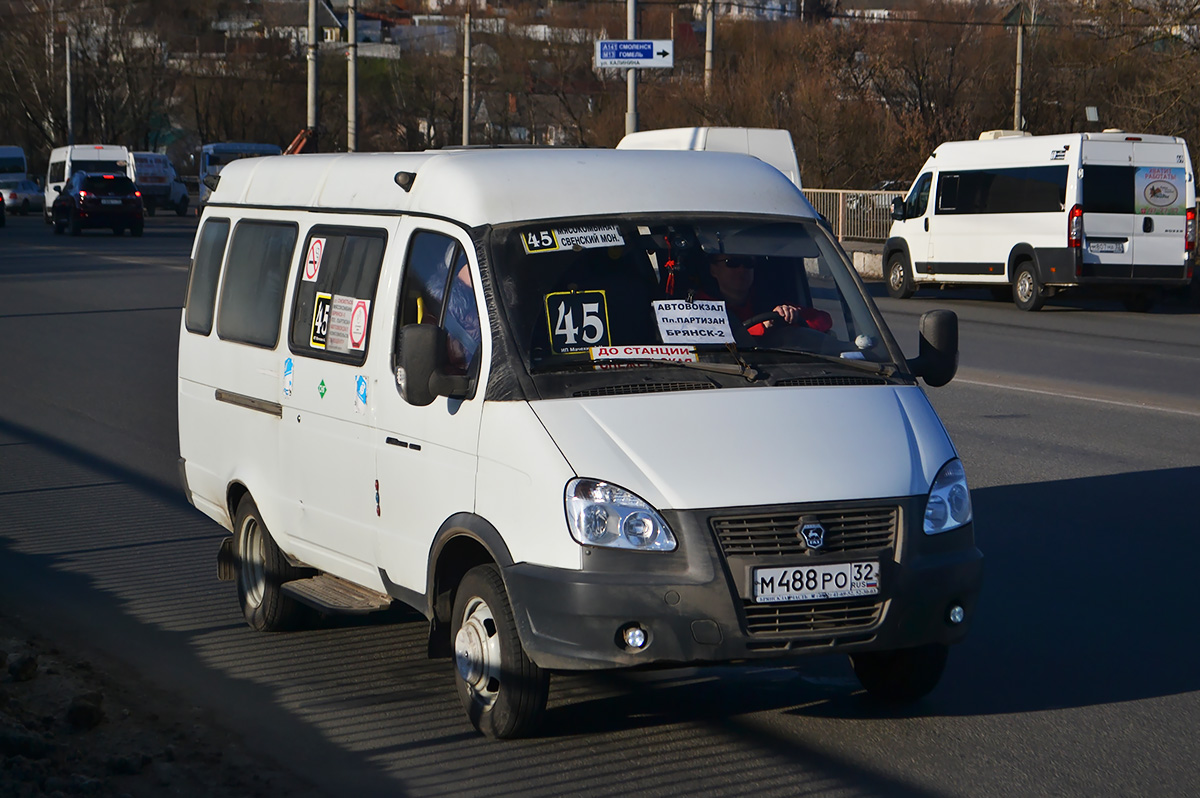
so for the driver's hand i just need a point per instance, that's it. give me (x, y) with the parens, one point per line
(815, 319)
(789, 313)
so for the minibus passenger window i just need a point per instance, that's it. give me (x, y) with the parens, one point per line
(202, 282)
(252, 294)
(335, 291)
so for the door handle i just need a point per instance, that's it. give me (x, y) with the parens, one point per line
(926, 224)
(1148, 224)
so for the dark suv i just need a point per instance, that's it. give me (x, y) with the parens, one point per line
(91, 199)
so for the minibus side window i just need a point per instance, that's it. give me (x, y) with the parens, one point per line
(433, 261)
(58, 170)
(202, 282)
(255, 279)
(335, 289)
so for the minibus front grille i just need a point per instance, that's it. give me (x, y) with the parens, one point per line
(809, 381)
(846, 616)
(649, 387)
(776, 534)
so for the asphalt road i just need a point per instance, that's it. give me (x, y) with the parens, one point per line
(1079, 427)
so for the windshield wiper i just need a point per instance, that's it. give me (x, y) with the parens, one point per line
(740, 369)
(885, 369)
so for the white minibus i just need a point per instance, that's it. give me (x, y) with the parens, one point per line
(65, 161)
(1033, 216)
(581, 409)
(161, 186)
(12, 163)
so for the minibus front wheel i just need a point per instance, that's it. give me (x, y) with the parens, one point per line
(503, 692)
(900, 676)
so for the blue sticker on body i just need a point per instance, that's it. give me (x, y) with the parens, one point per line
(288, 374)
(360, 393)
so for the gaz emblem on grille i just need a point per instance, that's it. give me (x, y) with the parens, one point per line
(811, 532)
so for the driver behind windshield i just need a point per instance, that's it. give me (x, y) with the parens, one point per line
(733, 276)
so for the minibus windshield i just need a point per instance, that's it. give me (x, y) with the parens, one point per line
(591, 293)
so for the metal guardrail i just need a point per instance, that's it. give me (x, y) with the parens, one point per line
(860, 215)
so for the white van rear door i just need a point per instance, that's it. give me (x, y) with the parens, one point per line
(1161, 203)
(1107, 198)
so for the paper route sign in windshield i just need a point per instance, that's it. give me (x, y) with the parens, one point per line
(560, 238)
(699, 322)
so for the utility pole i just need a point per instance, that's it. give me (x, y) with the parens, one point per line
(312, 75)
(1020, 48)
(70, 93)
(631, 120)
(709, 35)
(352, 79)
(466, 105)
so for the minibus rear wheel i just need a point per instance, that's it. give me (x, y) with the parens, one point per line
(503, 692)
(1028, 293)
(261, 571)
(903, 675)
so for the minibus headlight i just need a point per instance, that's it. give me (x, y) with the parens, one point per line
(603, 514)
(949, 504)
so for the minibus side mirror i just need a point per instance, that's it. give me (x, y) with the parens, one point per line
(420, 374)
(937, 361)
(898, 209)
(58, 189)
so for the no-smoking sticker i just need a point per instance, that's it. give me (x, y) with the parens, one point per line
(312, 260)
(358, 324)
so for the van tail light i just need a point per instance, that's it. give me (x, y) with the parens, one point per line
(137, 193)
(83, 195)
(1075, 227)
(1189, 231)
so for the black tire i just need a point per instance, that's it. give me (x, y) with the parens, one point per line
(1139, 301)
(899, 278)
(503, 692)
(24, 207)
(1027, 290)
(261, 570)
(182, 208)
(137, 230)
(75, 225)
(150, 209)
(900, 676)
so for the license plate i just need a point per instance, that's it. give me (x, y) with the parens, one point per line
(1106, 246)
(110, 202)
(815, 582)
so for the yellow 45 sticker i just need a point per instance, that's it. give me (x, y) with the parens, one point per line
(578, 320)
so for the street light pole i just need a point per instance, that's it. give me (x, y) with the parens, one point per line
(312, 75)
(709, 20)
(1020, 49)
(631, 120)
(352, 79)
(466, 102)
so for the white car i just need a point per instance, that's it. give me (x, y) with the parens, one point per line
(21, 196)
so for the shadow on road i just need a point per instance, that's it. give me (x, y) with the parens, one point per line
(1088, 600)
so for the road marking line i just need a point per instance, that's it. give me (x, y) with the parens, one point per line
(1083, 398)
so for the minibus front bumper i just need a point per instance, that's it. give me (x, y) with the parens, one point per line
(696, 604)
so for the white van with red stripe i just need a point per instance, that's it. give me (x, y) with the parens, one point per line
(1039, 215)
